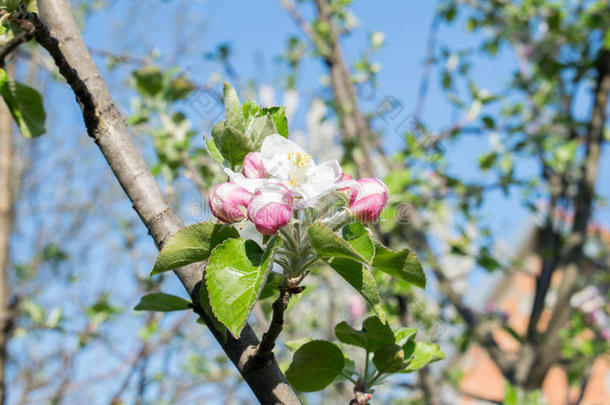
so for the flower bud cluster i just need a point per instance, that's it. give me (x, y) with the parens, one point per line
(281, 179)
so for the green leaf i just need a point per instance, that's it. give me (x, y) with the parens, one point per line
(179, 88)
(162, 302)
(235, 276)
(234, 115)
(250, 109)
(373, 335)
(403, 265)
(294, 345)
(279, 119)
(232, 144)
(25, 105)
(149, 80)
(213, 150)
(204, 301)
(487, 160)
(272, 285)
(361, 279)
(328, 244)
(486, 261)
(489, 122)
(258, 129)
(315, 365)
(191, 244)
(421, 354)
(510, 394)
(358, 236)
(389, 359)
(404, 334)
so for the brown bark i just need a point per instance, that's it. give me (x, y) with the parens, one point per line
(6, 225)
(549, 345)
(106, 125)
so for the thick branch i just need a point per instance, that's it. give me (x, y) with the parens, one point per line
(551, 243)
(106, 125)
(550, 343)
(7, 312)
(354, 126)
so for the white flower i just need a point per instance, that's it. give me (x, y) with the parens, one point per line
(289, 165)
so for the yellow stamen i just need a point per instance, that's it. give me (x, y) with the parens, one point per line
(299, 162)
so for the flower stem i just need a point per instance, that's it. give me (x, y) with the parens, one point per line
(366, 366)
(374, 379)
(349, 377)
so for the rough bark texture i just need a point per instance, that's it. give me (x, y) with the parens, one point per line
(6, 223)
(106, 125)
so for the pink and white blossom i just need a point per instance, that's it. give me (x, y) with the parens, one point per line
(287, 164)
(271, 208)
(226, 200)
(350, 192)
(371, 198)
(253, 166)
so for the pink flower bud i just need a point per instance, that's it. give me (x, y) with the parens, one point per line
(270, 208)
(253, 166)
(372, 197)
(350, 192)
(226, 200)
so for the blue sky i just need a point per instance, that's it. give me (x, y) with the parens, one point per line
(258, 33)
(183, 31)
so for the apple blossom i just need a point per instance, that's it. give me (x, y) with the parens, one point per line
(253, 166)
(350, 192)
(226, 200)
(289, 165)
(270, 208)
(370, 200)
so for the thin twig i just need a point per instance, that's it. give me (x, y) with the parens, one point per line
(298, 19)
(263, 351)
(24, 36)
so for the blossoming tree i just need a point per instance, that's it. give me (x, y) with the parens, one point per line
(304, 215)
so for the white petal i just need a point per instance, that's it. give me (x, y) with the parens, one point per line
(321, 180)
(328, 171)
(252, 185)
(274, 155)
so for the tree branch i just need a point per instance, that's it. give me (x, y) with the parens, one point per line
(267, 343)
(298, 19)
(24, 36)
(106, 125)
(550, 343)
(7, 311)
(13, 44)
(481, 334)
(354, 127)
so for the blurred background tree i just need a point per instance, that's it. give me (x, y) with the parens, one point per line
(486, 119)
